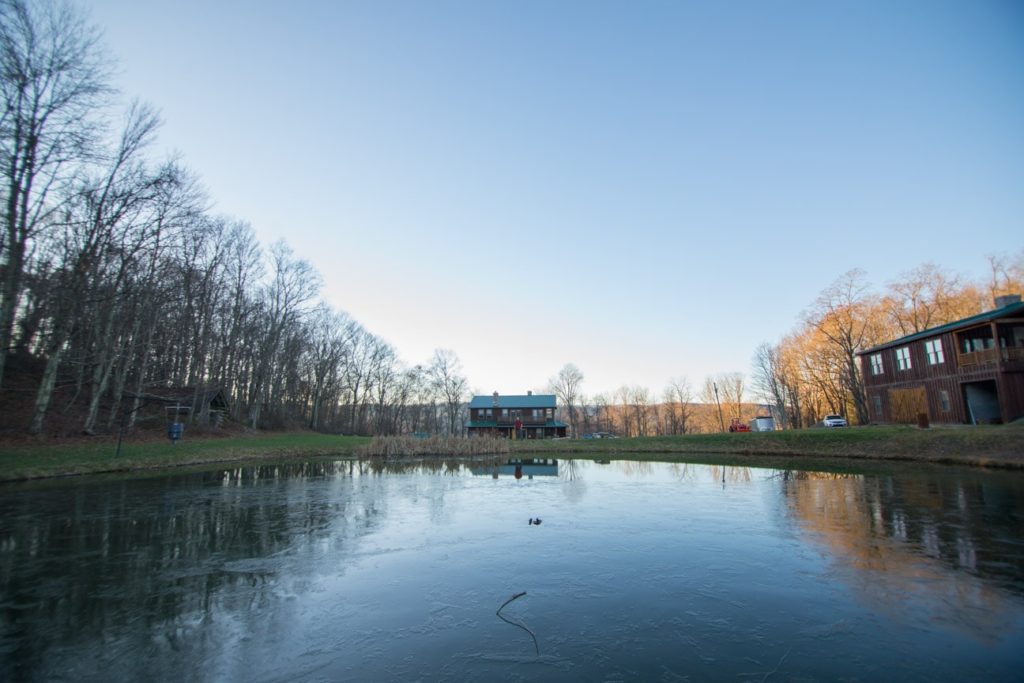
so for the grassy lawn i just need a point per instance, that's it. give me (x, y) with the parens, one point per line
(1000, 446)
(993, 446)
(30, 460)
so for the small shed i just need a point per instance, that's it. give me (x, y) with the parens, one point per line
(762, 423)
(207, 405)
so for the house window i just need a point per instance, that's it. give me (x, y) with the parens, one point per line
(903, 358)
(944, 400)
(933, 349)
(550, 413)
(877, 402)
(504, 412)
(877, 367)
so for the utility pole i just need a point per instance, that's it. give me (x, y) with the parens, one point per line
(721, 420)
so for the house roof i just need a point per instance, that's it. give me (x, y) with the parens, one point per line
(988, 316)
(514, 401)
(184, 395)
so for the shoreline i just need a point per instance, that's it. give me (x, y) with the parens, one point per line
(999, 446)
(993, 447)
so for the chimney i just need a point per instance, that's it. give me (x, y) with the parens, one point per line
(529, 393)
(494, 399)
(1007, 299)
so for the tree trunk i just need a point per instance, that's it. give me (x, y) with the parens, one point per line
(102, 369)
(10, 291)
(45, 391)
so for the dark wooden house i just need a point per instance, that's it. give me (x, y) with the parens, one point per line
(969, 371)
(496, 415)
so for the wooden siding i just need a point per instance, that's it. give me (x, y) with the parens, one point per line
(1011, 394)
(893, 388)
(906, 404)
(920, 370)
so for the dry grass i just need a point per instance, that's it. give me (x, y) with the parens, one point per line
(446, 446)
(986, 445)
(32, 459)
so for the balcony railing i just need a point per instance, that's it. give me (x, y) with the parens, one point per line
(973, 359)
(1013, 355)
(508, 420)
(1007, 356)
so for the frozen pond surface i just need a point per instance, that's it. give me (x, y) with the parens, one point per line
(638, 572)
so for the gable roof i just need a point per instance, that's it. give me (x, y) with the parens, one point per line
(988, 316)
(514, 401)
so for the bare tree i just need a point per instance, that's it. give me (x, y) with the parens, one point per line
(130, 209)
(566, 385)
(726, 391)
(678, 400)
(640, 409)
(619, 413)
(385, 368)
(842, 314)
(357, 369)
(926, 297)
(770, 381)
(115, 216)
(293, 285)
(602, 413)
(53, 81)
(446, 375)
(243, 268)
(1007, 274)
(330, 336)
(422, 400)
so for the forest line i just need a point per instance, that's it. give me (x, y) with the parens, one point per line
(117, 281)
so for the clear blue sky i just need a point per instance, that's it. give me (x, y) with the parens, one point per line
(645, 189)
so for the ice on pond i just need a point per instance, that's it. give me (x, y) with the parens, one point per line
(639, 571)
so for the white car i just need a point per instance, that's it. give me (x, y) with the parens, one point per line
(834, 421)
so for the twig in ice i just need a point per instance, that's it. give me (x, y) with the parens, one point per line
(518, 595)
(776, 669)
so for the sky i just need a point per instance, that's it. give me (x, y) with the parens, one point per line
(648, 190)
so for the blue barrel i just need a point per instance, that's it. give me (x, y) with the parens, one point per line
(175, 430)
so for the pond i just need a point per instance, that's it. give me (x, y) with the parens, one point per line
(637, 571)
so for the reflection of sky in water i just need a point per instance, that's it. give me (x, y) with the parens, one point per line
(640, 571)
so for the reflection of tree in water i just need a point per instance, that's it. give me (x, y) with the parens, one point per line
(929, 536)
(445, 466)
(571, 470)
(574, 487)
(79, 563)
(686, 471)
(635, 467)
(176, 555)
(730, 474)
(787, 475)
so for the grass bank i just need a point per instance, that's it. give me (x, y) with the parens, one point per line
(986, 446)
(35, 459)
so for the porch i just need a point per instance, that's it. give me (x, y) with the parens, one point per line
(996, 346)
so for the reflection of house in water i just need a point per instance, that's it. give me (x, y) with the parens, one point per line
(529, 468)
(939, 546)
